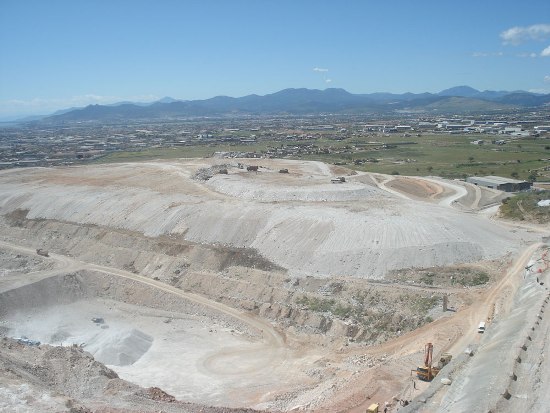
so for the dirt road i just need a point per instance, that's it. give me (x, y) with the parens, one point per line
(449, 334)
(273, 339)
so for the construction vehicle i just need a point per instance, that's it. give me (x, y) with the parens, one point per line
(43, 252)
(481, 327)
(339, 180)
(428, 372)
(373, 408)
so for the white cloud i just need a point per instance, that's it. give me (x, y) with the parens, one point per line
(517, 35)
(328, 80)
(545, 52)
(318, 69)
(487, 54)
(547, 79)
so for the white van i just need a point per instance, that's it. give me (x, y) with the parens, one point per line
(481, 327)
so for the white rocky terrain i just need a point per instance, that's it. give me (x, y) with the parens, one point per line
(266, 290)
(299, 221)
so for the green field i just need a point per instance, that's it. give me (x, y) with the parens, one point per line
(523, 207)
(191, 151)
(451, 156)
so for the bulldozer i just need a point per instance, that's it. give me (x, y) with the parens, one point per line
(428, 372)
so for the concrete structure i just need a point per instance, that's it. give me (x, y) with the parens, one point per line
(500, 183)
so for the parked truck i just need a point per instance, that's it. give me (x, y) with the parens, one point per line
(481, 327)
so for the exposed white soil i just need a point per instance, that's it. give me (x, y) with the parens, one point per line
(324, 229)
(236, 290)
(193, 353)
(186, 355)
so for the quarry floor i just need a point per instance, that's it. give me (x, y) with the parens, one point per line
(203, 348)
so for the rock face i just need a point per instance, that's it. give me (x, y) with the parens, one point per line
(68, 379)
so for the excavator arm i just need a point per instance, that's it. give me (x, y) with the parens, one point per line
(428, 354)
(426, 372)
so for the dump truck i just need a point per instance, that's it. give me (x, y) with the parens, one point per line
(42, 252)
(428, 372)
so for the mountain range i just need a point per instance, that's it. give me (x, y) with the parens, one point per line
(460, 99)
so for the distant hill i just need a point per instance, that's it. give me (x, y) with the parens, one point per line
(458, 104)
(460, 99)
(518, 97)
(525, 99)
(460, 91)
(166, 99)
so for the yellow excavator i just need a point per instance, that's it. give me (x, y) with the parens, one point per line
(427, 372)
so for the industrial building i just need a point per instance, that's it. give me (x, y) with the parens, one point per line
(500, 183)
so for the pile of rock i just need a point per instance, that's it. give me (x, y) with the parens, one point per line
(204, 174)
(154, 393)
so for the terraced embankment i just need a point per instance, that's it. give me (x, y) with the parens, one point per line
(300, 222)
(263, 287)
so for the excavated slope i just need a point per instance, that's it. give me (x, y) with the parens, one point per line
(299, 221)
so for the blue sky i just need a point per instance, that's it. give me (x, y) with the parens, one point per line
(58, 54)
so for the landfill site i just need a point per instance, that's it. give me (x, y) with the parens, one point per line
(241, 285)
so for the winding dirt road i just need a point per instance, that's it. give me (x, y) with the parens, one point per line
(273, 340)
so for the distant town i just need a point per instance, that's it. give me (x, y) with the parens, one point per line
(314, 136)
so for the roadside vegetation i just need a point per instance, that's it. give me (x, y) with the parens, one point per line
(523, 207)
(452, 276)
(373, 315)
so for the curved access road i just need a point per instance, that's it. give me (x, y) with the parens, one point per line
(273, 339)
(465, 321)
(457, 190)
